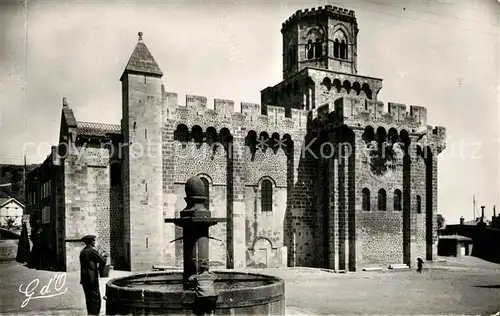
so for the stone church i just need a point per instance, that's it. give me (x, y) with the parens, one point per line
(320, 174)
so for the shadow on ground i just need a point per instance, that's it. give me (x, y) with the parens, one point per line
(497, 286)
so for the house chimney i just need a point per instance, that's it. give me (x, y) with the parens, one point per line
(482, 213)
(462, 220)
(494, 211)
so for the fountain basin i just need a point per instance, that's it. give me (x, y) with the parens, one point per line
(160, 293)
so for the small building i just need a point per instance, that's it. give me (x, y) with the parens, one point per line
(43, 200)
(10, 208)
(454, 246)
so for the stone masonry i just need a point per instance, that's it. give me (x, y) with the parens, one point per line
(319, 174)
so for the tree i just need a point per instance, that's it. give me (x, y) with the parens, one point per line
(440, 221)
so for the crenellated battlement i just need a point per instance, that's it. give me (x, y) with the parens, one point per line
(359, 113)
(336, 12)
(251, 115)
(352, 111)
(438, 137)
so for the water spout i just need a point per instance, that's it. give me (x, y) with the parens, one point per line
(177, 239)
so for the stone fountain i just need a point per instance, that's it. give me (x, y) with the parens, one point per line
(172, 293)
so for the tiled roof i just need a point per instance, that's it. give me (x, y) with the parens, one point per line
(142, 61)
(97, 129)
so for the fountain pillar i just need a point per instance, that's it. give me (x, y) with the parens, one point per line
(195, 221)
(237, 293)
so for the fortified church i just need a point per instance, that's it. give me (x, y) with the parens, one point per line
(319, 174)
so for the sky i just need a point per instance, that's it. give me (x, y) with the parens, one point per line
(443, 55)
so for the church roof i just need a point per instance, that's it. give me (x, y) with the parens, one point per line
(5, 201)
(141, 60)
(97, 129)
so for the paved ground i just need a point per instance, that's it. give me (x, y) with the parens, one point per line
(466, 286)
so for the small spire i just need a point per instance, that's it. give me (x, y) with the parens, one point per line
(65, 102)
(141, 60)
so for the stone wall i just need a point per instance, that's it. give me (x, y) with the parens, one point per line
(302, 225)
(419, 223)
(98, 186)
(170, 195)
(8, 250)
(381, 237)
(380, 231)
(194, 159)
(87, 200)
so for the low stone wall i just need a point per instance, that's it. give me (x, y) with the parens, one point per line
(8, 250)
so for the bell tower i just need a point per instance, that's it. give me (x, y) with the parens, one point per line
(324, 37)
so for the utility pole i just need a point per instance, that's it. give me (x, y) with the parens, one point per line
(24, 170)
(473, 207)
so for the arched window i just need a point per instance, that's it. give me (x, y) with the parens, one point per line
(382, 197)
(266, 193)
(310, 49)
(366, 199)
(343, 50)
(197, 134)
(419, 204)
(318, 49)
(207, 193)
(397, 200)
(181, 133)
(340, 44)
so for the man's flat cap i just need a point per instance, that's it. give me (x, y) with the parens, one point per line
(88, 237)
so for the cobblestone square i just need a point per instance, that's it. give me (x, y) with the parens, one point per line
(465, 286)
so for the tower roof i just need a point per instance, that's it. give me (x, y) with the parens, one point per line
(141, 60)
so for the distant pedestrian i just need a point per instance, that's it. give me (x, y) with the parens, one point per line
(204, 287)
(420, 264)
(90, 264)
